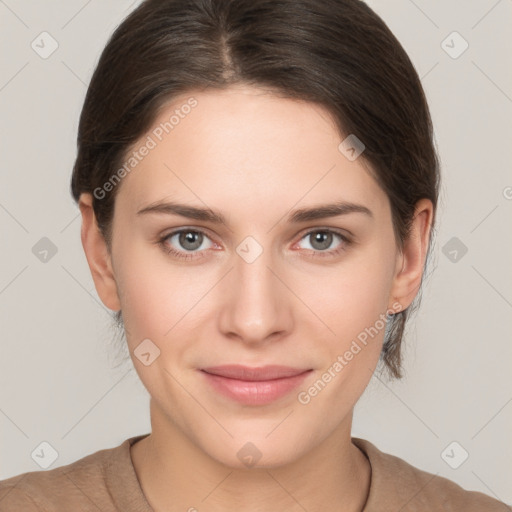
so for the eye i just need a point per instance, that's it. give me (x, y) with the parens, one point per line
(188, 243)
(322, 239)
(183, 241)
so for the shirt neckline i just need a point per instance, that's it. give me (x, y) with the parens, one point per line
(128, 495)
(126, 492)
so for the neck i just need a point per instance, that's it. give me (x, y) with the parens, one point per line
(176, 475)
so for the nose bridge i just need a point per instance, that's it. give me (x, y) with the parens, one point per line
(255, 306)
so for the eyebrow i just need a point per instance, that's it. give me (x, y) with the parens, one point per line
(301, 215)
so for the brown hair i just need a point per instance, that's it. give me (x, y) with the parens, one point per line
(336, 53)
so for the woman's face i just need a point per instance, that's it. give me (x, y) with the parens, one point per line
(264, 287)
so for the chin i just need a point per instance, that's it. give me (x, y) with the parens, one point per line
(256, 451)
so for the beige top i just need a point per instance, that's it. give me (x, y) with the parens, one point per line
(106, 481)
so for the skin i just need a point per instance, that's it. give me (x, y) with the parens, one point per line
(255, 157)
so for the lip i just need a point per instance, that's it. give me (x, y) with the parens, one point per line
(254, 385)
(248, 373)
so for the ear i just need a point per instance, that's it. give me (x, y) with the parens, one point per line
(411, 260)
(98, 256)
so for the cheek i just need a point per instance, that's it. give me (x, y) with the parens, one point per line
(157, 302)
(153, 294)
(352, 296)
(354, 308)
(352, 301)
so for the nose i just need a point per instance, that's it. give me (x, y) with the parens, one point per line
(255, 304)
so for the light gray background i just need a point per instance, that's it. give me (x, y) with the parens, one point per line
(58, 382)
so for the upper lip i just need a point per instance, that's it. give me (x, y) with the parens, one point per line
(270, 372)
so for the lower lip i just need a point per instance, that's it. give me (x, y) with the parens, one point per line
(255, 392)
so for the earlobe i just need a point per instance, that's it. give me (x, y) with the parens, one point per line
(411, 261)
(98, 256)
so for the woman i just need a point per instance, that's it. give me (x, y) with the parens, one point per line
(258, 187)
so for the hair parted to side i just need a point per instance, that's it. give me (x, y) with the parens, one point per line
(336, 53)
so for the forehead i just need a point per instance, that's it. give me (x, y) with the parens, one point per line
(244, 145)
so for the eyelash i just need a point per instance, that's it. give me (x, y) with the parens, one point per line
(192, 255)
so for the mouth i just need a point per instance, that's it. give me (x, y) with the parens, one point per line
(254, 386)
(247, 373)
